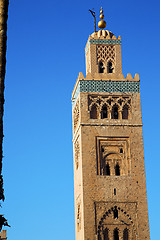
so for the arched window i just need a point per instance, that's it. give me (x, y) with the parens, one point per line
(106, 170)
(100, 67)
(104, 112)
(109, 67)
(116, 234)
(115, 112)
(93, 112)
(125, 112)
(115, 213)
(125, 234)
(117, 170)
(105, 234)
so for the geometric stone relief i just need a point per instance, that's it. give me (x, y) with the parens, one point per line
(113, 156)
(99, 104)
(76, 116)
(117, 217)
(106, 53)
(77, 152)
(105, 86)
(102, 41)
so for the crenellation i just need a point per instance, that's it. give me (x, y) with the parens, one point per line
(109, 172)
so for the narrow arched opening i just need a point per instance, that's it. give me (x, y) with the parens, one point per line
(99, 236)
(93, 112)
(115, 213)
(116, 234)
(117, 170)
(106, 170)
(114, 114)
(100, 67)
(104, 113)
(125, 112)
(109, 67)
(105, 234)
(125, 234)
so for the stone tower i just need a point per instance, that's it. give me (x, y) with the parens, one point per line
(109, 172)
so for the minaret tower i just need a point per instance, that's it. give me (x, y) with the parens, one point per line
(109, 172)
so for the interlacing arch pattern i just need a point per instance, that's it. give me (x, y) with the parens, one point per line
(117, 107)
(76, 116)
(110, 212)
(106, 54)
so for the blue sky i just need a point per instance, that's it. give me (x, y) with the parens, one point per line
(45, 53)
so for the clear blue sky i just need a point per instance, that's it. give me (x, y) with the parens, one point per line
(45, 53)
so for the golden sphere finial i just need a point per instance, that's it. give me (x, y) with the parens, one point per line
(102, 23)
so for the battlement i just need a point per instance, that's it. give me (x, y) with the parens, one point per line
(94, 83)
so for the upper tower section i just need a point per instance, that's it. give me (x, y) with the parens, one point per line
(103, 53)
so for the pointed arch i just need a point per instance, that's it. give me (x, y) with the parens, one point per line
(115, 112)
(108, 213)
(105, 234)
(125, 112)
(104, 112)
(125, 234)
(109, 67)
(117, 169)
(116, 234)
(115, 212)
(106, 169)
(93, 112)
(100, 67)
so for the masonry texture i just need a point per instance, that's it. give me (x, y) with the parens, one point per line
(109, 172)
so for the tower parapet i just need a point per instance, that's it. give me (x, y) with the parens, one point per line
(109, 173)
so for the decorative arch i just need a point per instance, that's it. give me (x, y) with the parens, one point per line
(116, 234)
(100, 67)
(106, 169)
(107, 166)
(108, 214)
(115, 112)
(125, 111)
(93, 112)
(104, 111)
(106, 234)
(126, 234)
(117, 169)
(113, 153)
(110, 67)
(116, 106)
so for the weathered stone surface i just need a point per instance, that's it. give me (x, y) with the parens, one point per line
(109, 173)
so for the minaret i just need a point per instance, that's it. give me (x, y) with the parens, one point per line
(109, 172)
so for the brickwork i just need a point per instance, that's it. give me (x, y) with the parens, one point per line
(109, 49)
(109, 173)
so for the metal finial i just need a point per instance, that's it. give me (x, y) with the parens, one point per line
(102, 23)
(94, 15)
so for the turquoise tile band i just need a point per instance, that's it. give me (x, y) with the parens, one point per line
(102, 41)
(106, 86)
